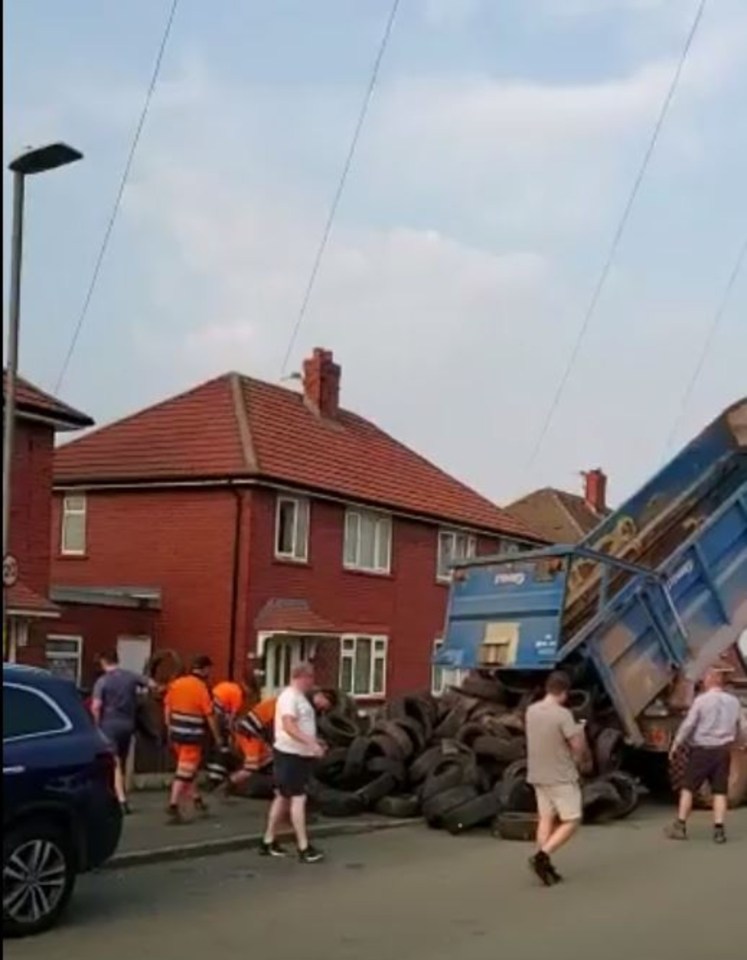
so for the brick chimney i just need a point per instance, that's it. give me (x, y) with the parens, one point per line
(321, 383)
(595, 490)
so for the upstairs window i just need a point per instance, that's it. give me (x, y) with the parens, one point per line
(453, 546)
(368, 541)
(292, 529)
(73, 535)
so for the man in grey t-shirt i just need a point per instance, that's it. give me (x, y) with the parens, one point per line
(114, 706)
(556, 749)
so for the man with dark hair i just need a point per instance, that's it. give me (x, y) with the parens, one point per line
(556, 750)
(712, 728)
(189, 715)
(114, 709)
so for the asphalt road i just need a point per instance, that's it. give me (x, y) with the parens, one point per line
(415, 894)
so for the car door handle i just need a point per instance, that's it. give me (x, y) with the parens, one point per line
(9, 771)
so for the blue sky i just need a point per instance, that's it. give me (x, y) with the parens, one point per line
(500, 146)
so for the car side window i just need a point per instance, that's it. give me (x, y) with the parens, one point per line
(28, 713)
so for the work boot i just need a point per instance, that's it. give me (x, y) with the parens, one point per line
(201, 807)
(719, 834)
(541, 866)
(677, 830)
(174, 815)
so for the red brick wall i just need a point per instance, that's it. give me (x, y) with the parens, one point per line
(31, 503)
(181, 541)
(99, 628)
(408, 606)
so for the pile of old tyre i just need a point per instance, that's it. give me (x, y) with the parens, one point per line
(457, 760)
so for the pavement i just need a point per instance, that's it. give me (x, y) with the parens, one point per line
(415, 893)
(233, 824)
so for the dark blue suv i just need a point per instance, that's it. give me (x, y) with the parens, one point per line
(60, 813)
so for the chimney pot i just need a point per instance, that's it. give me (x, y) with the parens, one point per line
(321, 383)
(595, 490)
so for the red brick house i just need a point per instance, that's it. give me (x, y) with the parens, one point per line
(274, 526)
(562, 517)
(29, 610)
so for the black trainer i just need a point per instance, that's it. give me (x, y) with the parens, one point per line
(272, 849)
(719, 834)
(542, 867)
(310, 855)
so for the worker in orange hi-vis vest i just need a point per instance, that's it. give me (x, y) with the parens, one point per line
(189, 714)
(254, 734)
(230, 699)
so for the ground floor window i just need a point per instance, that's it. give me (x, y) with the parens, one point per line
(444, 677)
(64, 656)
(363, 662)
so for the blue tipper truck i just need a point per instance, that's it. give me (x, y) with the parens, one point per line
(639, 609)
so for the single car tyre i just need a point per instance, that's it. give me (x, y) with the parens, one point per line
(435, 809)
(448, 774)
(164, 666)
(608, 750)
(580, 704)
(330, 768)
(601, 801)
(425, 764)
(393, 730)
(337, 803)
(39, 873)
(505, 750)
(627, 789)
(355, 761)
(260, 786)
(337, 729)
(385, 746)
(415, 731)
(395, 768)
(483, 688)
(473, 813)
(470, 732)
(511, 825)
(376, 790)
(403, 807)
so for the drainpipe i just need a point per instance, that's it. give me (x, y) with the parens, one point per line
(232, 639)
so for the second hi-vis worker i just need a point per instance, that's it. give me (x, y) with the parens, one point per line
(254, 734)
(230, 699)
(189, 715)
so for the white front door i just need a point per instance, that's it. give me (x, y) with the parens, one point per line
(134, 653)
(282, 654)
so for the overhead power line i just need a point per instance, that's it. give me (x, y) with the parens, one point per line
(616, 238)
(118, 198)
(708, 343)
(309, 289)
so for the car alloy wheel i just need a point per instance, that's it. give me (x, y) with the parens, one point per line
(34, 881)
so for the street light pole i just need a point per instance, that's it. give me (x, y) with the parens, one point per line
(14, 315)
(39, 160)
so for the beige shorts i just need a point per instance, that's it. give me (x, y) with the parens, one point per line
(561, 800)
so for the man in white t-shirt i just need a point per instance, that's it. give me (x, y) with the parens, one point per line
(296, 746)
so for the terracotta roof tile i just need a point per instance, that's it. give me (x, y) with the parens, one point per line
(31, 399)
(20, 599)
(236, 427)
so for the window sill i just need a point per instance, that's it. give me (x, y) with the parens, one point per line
(71, 556)
(291, 561)
(361, 572)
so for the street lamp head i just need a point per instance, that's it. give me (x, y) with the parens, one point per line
(41, 159)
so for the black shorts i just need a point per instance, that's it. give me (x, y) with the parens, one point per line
(121, 740)
(291, 773)
(710, 765)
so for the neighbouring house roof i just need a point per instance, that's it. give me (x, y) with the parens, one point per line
(33, 401)
(556, 515)
(21, 601)
(135, 597)
(236, 427)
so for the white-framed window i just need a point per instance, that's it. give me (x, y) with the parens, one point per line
(368, 541)
(363, 663)
(292, 528)
(443, 677)
(64, 655)
(453, 546)
(73, 533)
